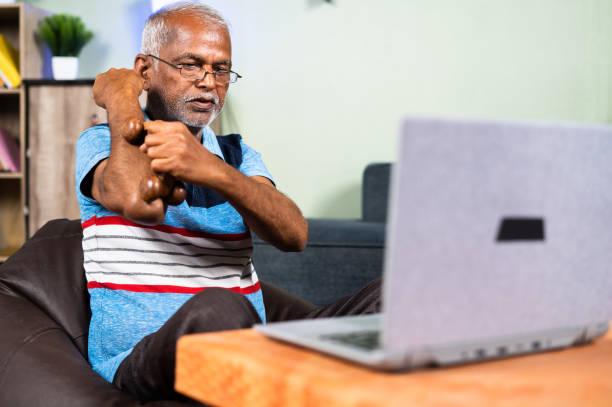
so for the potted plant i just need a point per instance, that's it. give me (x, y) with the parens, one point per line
(65, 35)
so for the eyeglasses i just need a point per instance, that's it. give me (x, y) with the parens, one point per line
(198, 72)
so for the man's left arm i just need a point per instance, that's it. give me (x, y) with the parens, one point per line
(269, 213)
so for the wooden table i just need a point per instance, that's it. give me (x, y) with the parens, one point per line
(244, 368)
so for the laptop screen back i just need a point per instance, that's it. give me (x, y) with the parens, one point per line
(497, 229)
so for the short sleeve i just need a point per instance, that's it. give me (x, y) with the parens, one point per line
(252, 164)
(92, 147)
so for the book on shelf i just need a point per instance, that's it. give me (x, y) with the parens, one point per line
(9, 62)
(9, 152)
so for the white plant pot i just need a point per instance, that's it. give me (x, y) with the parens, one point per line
(65, 67)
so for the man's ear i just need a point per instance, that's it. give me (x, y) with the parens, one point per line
(144, 67)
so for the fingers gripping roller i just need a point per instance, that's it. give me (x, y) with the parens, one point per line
(163, 186)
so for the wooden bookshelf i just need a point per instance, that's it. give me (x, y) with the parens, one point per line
(4, 91)
(11, 175)
(6, 253)
(18, 23)
(53, 130)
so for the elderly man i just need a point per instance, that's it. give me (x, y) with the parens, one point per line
(157, 271)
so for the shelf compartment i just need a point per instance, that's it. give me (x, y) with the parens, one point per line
(6, 253)
(12, 232)
(11, 175)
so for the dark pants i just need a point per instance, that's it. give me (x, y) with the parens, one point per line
(148, 372)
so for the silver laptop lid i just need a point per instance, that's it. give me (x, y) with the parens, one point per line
(497, 229)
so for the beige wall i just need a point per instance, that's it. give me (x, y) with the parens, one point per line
(325, 85)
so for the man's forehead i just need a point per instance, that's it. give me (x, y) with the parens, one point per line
(189, 24)
(187, 31)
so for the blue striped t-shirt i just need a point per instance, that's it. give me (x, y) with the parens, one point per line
(138, 276)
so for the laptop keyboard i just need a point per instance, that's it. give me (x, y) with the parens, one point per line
(368, 340)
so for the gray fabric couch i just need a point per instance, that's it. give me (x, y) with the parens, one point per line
(341, 256)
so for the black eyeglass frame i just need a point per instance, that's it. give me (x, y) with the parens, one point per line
(234, 76)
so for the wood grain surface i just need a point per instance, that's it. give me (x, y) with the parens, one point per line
(244, 368)
(57, 116)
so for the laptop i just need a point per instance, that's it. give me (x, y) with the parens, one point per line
(499, 243)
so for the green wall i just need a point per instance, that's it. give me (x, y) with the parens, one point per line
(325, 86)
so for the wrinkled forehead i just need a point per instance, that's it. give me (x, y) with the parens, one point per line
(187, 30)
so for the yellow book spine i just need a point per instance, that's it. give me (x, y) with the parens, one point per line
(9, 73)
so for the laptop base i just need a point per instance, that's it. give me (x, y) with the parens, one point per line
(325, 335)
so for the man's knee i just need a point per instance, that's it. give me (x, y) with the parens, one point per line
(217, 309)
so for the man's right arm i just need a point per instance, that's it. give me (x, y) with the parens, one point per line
(116, 180)
(116, 184)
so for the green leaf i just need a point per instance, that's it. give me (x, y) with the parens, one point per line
(66, 38)
(49, 37)
(65, 34)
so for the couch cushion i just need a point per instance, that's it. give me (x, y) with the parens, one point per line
(375, 192)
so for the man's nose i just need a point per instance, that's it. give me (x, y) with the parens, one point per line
(208, 81)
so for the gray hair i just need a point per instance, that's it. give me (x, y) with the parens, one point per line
(155, 32)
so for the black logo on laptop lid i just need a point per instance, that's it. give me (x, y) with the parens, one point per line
(516, 229)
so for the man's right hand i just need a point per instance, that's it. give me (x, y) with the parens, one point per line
(116, 86)
(117, 91)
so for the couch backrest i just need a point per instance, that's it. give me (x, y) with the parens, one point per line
(375, 192)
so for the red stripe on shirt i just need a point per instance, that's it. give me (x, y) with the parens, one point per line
(116, 220)
(175, 289)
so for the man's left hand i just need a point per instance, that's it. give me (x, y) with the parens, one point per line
(175, 150)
